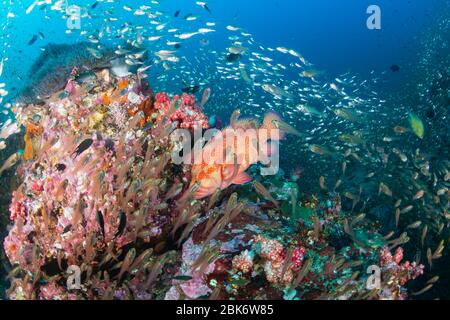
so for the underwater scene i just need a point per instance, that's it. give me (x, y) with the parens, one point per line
(224, 150)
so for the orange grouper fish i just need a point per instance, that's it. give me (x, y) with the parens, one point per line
(225, 158)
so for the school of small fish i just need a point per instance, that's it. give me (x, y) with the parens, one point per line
(387, 164)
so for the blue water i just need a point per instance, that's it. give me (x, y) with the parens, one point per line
(332, 34)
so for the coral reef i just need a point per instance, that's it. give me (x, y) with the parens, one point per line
(186, 115)
(9, 183)
(98, 181)
(99, 194)
(261, 255)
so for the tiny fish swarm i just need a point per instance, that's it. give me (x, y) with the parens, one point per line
(96, 183)
(99, 191)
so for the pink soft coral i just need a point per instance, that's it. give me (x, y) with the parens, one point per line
(403, 272)
(243, 262)
(51, 291)
(188, 115)
(274, 254)
(18, 207)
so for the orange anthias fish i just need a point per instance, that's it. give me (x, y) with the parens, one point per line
(223, 164)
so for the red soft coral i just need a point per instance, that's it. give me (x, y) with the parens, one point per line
(187, 115)
(403, 272)
(17, 207)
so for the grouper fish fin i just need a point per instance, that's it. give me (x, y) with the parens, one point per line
(241, 178)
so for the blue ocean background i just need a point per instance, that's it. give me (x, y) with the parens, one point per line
(332, 34)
